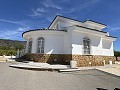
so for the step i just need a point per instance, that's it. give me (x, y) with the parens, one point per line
(69, 70)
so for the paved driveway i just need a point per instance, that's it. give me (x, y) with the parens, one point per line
(18, 79)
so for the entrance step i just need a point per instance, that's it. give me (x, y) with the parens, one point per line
(69, 70)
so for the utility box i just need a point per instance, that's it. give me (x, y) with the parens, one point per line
(73, 64)
(110, 62)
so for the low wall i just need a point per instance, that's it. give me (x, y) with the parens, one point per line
(82, 60)
(92, 60)
(49, 58)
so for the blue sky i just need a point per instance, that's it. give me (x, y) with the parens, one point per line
(17, 16)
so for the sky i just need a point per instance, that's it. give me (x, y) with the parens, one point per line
(18, 16)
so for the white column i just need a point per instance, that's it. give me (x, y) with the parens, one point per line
(26, 49)
(34, 45)
(111, 48)
(68, 41)
(101, 47)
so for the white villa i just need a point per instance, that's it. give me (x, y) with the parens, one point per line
(68, 39)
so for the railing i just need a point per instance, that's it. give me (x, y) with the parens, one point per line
(20, 53)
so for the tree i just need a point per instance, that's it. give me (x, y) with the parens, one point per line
(18, 46)
(117, 54)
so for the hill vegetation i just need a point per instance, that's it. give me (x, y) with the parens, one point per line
(10, 47)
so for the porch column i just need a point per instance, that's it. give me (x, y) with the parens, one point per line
(26, 49)
(101, 47)
(34, 44)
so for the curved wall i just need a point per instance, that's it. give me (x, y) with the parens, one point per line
(54, 41)
(54, 44)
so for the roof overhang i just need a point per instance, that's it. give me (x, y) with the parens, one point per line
(89, 30)
(31, 33)
(94, 32)
(65, 19)
(76, 22)
(96, 24)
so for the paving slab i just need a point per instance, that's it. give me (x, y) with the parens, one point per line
(112, 69)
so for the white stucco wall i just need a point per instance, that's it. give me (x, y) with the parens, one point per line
(26, 49)
(54, 44)
(54, 41)
(98, 46)
(34, 44)
(107, 46)
(77, 43)
(70, 42)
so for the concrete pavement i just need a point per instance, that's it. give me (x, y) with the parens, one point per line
(20, 79)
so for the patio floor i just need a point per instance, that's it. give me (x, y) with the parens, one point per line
(39, 66)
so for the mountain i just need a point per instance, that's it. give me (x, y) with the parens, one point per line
(12, 43)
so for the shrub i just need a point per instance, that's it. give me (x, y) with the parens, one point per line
(7, 52)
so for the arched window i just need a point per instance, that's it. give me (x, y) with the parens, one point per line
(40, 48)
(30, 46)
(86, 45)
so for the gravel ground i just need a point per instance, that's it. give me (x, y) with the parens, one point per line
(113, 69)
(19, 79)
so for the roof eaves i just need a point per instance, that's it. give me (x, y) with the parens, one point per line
(94, 22)
(63, 17)
(52, 21)
(112, 37)
(75, 20)
(90, 29)
(43, 29)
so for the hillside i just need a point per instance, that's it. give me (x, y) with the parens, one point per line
(11, 43)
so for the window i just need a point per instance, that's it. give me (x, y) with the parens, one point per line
(30, 46)
(86, 45)
(40, 45)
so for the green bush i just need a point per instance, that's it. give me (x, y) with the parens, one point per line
(7, 52)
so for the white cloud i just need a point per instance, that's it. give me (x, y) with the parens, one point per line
(40, 10)
(83, 5)
(9, 21)
(12, 34)
(21, 29)
(48, 3)
(13, 22)
(36, 13)
(49, 6)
